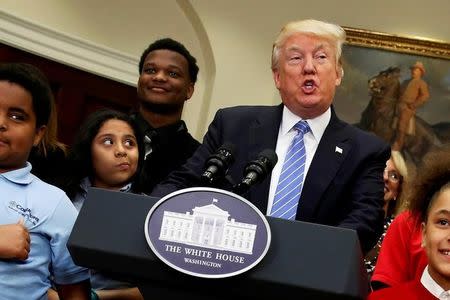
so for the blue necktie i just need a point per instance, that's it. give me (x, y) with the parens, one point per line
(290, 183)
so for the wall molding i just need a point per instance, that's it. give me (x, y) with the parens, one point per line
(209, 69)
(68, 50)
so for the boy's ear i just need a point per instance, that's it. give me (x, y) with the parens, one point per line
(39, 135)
(190, 91)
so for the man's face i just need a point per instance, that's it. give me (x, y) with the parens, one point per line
(164, 82)
(436, 239)
(416, 73)
(307, 74)
(18, 132)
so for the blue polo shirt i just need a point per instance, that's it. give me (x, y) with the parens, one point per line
(49, 216)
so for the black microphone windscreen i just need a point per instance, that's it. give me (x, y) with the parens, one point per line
(257, 170)
(216, 167)
(228, 147)
(270, 155)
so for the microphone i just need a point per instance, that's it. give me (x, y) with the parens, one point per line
(256, 170)
(217, 164)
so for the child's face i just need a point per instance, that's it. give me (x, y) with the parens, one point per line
(114, 154)
(436, 239)
(18, 132)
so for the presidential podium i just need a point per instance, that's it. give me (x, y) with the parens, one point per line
(307, 260)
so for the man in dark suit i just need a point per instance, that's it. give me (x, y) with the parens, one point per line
(343, 185)
(167, 76)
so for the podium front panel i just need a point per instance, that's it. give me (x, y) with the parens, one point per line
(313, 261)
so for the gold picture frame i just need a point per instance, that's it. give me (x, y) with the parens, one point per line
(391, 42)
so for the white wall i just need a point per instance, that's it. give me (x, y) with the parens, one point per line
(231, 39)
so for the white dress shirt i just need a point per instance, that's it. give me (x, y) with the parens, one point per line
(433, 287)
(286, 134)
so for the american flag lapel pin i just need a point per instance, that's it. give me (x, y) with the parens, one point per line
(338, 150)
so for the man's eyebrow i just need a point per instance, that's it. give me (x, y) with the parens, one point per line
(298, 48)
(170, 66)
(293, 48)
(176, 67)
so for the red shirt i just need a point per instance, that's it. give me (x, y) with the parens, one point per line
(409, 290)
(401, 257)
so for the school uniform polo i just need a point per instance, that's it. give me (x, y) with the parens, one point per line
(49, 217)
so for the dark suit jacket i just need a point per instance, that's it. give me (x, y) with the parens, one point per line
(172, 145)
(341, 189)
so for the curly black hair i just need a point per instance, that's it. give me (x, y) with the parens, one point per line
(172, 45)
(432, 175)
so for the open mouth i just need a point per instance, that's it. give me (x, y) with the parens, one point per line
(309, 83)
(308, 86)
(445, 252)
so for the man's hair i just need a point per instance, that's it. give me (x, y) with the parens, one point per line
(34, 81)
(334, 33)
(172, 45)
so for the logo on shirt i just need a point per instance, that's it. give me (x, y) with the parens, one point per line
(24, 212)
(207, 232)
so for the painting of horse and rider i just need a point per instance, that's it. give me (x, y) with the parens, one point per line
(402, 98)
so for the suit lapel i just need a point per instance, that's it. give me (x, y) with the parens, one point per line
(263, 135)
(330, 154)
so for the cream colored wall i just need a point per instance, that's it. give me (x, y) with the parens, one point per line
(242, 32)
(231, 39)
(128, 27)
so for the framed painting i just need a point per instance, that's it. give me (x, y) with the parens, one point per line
(377, 70)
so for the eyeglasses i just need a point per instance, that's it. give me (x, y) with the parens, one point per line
(392, 176)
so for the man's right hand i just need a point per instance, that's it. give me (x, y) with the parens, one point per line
(14, 241)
